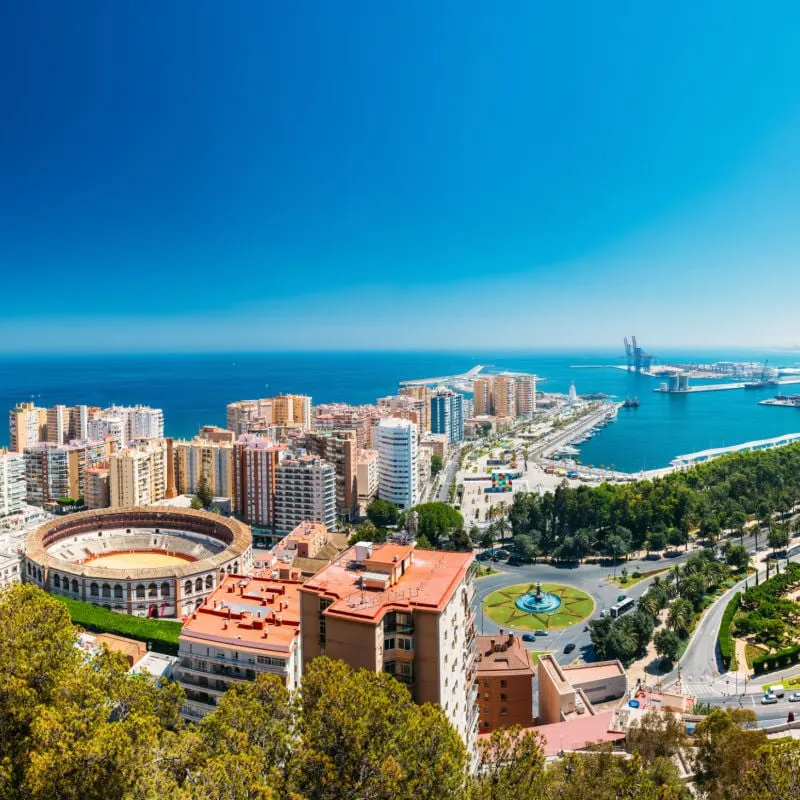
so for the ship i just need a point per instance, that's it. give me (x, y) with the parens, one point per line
(631, 403)
(764, 383)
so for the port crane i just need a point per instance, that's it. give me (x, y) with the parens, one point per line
(636, 358)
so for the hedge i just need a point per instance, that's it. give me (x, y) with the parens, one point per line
(771, 661)
(161, 635)
(727, 648)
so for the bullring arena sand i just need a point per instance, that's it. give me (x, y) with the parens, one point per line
(138, 560)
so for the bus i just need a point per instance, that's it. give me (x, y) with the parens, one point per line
(793, 550)
(618, 609)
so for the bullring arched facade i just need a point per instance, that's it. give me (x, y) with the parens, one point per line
(60, 558)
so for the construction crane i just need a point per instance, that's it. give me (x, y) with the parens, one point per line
(636, 358)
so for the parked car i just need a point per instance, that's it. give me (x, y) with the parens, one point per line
(569, 647)
(528, 637)
(768, 699)
(540, 632)
(604, 613)
(794, 697)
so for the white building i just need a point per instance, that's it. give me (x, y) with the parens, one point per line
(140, 422)
(12, 483)
(398, 468)
(105, 424)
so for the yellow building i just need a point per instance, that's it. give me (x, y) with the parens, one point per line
(138, 475)
(203, 457)
(27, 426)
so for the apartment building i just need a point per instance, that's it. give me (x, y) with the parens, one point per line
(68, 423)
(398, 467)
(526, 395)
(255, 464)
(339, 448)
(403, 611)
(102, 425)
(423, 396)
(482, 396)
(368, 475)
(138, 474)
(283, 410)
(12, 483)
(505, 397)
(306, 550)
(305, 489)
(213, 433)
(201, 457)
(27, 426)
(447, 415)
(344, 417)
(245, 627)
(505, 683)
(437, 443)
(97, 489)
(58, 470)
(141, 422)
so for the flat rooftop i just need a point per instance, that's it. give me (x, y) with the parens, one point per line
(254, 614)
(579, 673)
(428, 582)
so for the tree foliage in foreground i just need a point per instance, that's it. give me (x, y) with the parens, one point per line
(76, 728)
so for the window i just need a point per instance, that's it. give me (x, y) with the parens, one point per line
(485, 683)
(57, 582)
(187, 587)
(198, 585)
(139, 590)
(94, 590)
(504, 712)
(165, 590)
(503, 698)
(503, 684)
(118, 592)
(209, 582)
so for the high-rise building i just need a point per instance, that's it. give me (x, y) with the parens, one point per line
(27, 425)
(255, 463)
(343, 417)
(97, 492)
(246, 627)
(505, 397)
(423, 395)
(103, 424)
(67, 424)
(202, 457)
(12, 483)
(58, 470)
(398, 462)
(283, 410)
(391, 608)
(212, 433)
(483, 396)
(339, 448)
(368, 475)
(305, 489)
(447, 415)
(138, 474)
(526, 395)
(242, 413)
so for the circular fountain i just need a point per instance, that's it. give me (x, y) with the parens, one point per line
(538, 602)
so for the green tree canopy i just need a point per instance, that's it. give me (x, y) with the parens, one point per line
(382, 513)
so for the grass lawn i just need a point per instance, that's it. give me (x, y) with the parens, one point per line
(792, 683)
(752, 651)
(575, 607)
(633, 581)
(484, 572)
(537, 654)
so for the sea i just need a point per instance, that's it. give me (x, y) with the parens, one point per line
(193, 390)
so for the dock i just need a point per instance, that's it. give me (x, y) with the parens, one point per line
(723, 387)
(761, 444)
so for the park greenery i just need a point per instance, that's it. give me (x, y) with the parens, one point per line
(612, 520)
(74, 725)
(438, 525)
(161, 635)
(768, 618)
(575, 607)
(683, 592)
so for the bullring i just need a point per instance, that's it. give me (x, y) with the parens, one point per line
(146, 561)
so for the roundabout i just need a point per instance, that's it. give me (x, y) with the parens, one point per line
(532, 606)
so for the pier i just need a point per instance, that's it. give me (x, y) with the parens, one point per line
(722, 387)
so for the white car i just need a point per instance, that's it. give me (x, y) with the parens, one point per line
(768, 699)
(794, 697)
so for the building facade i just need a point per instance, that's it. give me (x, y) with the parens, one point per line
(201, 457)
(339, 448)
(54, 471)
(27, 426)
(97, 493)
(406, 612)
(12, 483)
(305, 489)
(505, 683)
(398, 467)
(447, 415)
(247, 626)
(255, 464)
(368, 476)
(138, 475)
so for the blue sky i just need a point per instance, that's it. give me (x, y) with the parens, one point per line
(198, 176)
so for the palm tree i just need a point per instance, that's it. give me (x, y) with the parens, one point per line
(680, 616)
(649, 603)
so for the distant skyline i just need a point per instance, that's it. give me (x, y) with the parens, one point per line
(187, 177)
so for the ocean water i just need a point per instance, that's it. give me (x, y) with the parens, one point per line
(193, 390)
